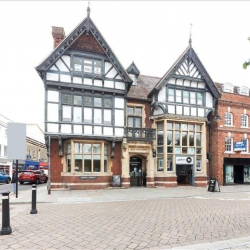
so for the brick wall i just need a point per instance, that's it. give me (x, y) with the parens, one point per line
(237, 104)
(116, 161)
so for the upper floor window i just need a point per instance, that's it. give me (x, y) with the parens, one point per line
(184, 96)
(87, 65)
(5, 151)
(134, 80)
(244, 121)
(134, 116)
(228, 144)
(243, 91)
(228, 119)
(228, 88)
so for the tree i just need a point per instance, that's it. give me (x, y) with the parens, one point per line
(246, 64)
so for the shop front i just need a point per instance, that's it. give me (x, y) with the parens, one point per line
(236, 171)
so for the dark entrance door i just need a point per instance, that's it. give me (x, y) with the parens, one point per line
(238, 174)
(135, 171)
(184, 174)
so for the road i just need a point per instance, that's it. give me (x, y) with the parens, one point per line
(24, 187)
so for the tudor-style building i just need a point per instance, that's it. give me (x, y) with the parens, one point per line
(102, 120)
(181, 104)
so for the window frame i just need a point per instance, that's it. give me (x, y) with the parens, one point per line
(231, 145)
(228, 119)
(242, 121)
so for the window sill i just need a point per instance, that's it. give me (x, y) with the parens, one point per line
(230, 126)
(227, 152)
(244, 153)
(244, 127)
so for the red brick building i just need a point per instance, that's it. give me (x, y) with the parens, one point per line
(230, 156)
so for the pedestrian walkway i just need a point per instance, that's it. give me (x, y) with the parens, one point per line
(135, 218)
(238, 192)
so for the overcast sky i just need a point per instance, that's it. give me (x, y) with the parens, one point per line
(152, 34)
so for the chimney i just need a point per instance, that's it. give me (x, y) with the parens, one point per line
(58, 35)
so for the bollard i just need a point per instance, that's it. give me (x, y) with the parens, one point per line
(33, 207)
(6, 229)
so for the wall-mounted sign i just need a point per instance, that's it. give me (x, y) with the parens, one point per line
(87, 177)
(185, 160)
(240, 145)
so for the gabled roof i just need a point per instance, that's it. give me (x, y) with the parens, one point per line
(132, 69)
(188, 54)
(86, 26)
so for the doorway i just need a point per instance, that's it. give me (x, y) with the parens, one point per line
(137, 174)
(239, 174)
(184, 174)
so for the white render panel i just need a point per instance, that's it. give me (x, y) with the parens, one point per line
(119, 132)
(53, 96)
(108, 65)
(52, 77)
(162, 95)
(187, 83)
(66, 128)
(119, 103)
(120, 85)
(179, 110)
(108, 84)
(179, 82)
(65, 78)
(171, 109)
(88, 130)
(200, 112)
(108, 131)
(87, 81)
(52, 128)
(171, 81)
(209, 100)
(118, 77)
(98, 83)
(77, 129)
(52, 112)
(119, 117)
(53, 68)
(66, 59)
(201, 85)
(77, 80)
(112, 73)
(194, 84)
(97, 130)
(193, 111)
(61, 66)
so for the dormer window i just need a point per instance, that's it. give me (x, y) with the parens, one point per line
(229, 88)
(134, 80)
(243, 91)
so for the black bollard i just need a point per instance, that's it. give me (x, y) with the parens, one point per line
(6, 229)
(33, 207)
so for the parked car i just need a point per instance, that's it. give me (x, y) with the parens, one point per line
(32, 176)
(4, 178)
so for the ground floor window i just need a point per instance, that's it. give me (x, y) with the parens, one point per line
(87, 157)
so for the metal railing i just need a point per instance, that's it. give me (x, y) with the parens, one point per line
(145, 134)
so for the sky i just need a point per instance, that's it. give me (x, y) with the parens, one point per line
(153, 34)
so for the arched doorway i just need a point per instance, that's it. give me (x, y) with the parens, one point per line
(137, 172)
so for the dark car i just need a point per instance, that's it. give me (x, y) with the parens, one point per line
(4, 178)
(32, 176)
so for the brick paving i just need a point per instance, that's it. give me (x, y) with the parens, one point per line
(145, 224)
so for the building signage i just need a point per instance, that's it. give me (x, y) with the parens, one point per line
(87, 177)
(240, 145)
(186, 160)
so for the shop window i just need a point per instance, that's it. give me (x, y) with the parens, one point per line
(228, 145)
(87, 157)
(229, 174)
(170, 163)
(228, 119)
(198, 163)
(247, 173)
(244, 121)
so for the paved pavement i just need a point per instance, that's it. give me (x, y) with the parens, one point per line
(136, 218)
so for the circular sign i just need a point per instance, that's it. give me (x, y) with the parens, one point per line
(189, 159)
